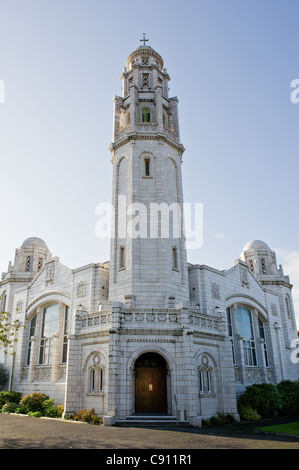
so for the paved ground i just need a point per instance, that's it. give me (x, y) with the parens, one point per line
(27, 432)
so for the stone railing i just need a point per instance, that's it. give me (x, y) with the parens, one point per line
(92, 320)
(253, 375)
(43, 373)
(150, 318)
(208, 323)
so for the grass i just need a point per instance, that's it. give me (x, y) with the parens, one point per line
(288, 428)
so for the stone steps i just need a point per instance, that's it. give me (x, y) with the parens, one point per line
(150, 420)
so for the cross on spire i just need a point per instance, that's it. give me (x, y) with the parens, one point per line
(144, 40)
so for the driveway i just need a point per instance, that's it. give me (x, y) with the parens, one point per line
(27, 432)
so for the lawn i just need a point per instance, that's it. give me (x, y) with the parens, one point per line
(288, 428)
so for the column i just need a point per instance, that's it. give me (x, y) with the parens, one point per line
(114, 372)
(72, 397)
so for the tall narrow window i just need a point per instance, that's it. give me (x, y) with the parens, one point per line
(209, 385)
(230, 332)
(288, 307)
(246, 332)
(96, 378)
(174, 258)
(205, 380)
(122, 257)
(92, 380)
(28, 264)
(147, 167)
(31, 334)
(50, 326)
(65, 335)
(101, 381)
(40, 264)
(263, 266)
(146, 115)
(201, 388)
(145, 79)
(263, 336)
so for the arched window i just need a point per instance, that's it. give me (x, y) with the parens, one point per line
(146, 115)
(147, 167)
(54, 318)
(95, 374)
(96, 379)
(205, 376)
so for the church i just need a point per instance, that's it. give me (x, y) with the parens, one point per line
(147, 334)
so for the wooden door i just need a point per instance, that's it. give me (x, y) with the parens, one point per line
(150, 385)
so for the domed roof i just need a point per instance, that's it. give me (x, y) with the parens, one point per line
(145, 50)
(33, 242)
(256, 245)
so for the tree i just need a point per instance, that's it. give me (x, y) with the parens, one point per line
(8, 331)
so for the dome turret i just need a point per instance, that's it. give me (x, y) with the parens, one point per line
(260, 257)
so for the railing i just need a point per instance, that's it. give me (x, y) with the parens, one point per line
(201, 321)
(150, 318)
(96, 319)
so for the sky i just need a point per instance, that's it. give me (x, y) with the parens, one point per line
(231, 64)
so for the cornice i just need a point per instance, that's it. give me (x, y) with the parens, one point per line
(159, 137)
(277, 283)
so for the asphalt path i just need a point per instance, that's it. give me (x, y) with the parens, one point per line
(27, 432)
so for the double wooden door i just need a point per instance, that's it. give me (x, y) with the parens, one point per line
(150, 384)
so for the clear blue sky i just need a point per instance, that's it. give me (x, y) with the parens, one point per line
(231, 63)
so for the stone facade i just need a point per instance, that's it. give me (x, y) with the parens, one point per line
(147, 332)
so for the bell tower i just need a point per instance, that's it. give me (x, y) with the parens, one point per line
(148, 266)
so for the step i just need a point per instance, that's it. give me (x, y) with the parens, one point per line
(150, 420)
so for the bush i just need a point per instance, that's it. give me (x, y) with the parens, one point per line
(9, 407)
(50, 410)
(218, 420)
(10, 397)
(87, 416)
(33, 402)
(264, 398)
(248, 414)
(289, 393)
(60, 410)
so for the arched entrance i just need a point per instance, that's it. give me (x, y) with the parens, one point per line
(150, 384)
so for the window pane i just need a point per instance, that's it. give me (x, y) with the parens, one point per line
(229, 322)
(240, 321)
(50, 325)
(147, 167)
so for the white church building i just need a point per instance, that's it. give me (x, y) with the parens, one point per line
(147, 334)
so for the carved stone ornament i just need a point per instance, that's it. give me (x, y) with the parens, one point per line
(49, 274)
